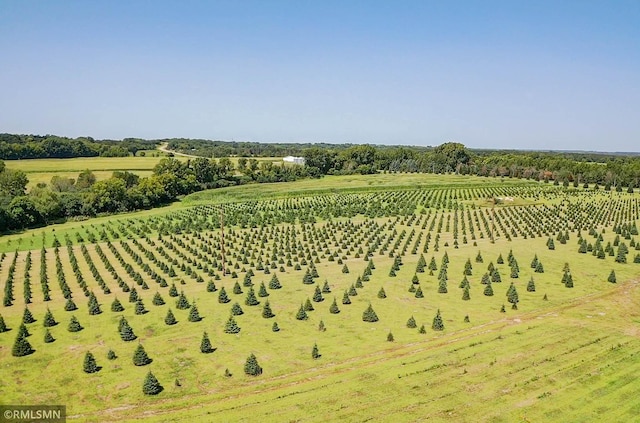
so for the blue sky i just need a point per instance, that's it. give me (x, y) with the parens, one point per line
(490, 74)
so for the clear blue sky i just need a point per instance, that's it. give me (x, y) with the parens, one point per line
(490, 74)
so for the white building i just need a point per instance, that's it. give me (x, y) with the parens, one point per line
(293, 159)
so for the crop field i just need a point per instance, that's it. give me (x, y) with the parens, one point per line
(390, 297)
(41, 170)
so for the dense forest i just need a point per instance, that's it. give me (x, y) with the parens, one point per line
(83, 196)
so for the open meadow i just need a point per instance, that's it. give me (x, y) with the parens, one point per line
(389, 297)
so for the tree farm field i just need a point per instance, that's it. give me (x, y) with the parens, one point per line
(482, 310)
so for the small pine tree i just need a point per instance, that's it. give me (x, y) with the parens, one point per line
(512, 294)
(612, 277)
(126, 332)
(151, 386)
(466, 319)
(116, 306)
(419, 293)
(173, 291)
(48, 338)
(381, 293)
(438, 324)
(345, 269)
(182, 303)
(22, 331)
(223, 298)
(94, 307)
(531, 286)
(465, 294)
(488, 290)
(194, 315)
(251, 299)
(274, 327)
(411, 323)
(48, 321)
(74, 325)
(308, 306)
(317, 295)
(170, 319)
(3, 325)
(315, 353)
(345, 298)
(267, 313)
(262, 292)
(321, 326)
(274, 283)
(369, 315)
(21, 347)
(237, 289)
(133, 296)
(111, 355)
(90, 365)
(231, 326)
(205, 344)
(334, 307)
(158, 300)
(390, 337)
(302, 314)
(27, 317)
(422, 330)
(140, 357)
(70, 305)
(139, 308)
(325, 288)
(251, 367)
(236, 310)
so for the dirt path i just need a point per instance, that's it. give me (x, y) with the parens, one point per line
(164, 148)
(371, 359)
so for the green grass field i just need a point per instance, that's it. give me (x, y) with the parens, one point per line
(572, 357)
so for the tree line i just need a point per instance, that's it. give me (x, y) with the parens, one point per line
(63, 198)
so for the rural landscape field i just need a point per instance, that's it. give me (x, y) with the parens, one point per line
(384, 297)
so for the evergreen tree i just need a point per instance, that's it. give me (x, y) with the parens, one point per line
(22, 331)
(381, 293)
(267, 313)
(334, 307)
(70, 305)
(181, 302)
(308, 306)
(345, 298)
(74, 325)
(211, 286)
(369, 315)
(231, 326)
(251, 367)
(315, 353)
(422, 330)
(27, 317)
(48, 321)
(302, 314)
(442, 286)
(438, 324)
(205, 344)
(325, 288)
(236, 310)
(222, 296)
(94, 307)
(139, 308)
(539, 267)
(419, 293)
(3, 325)
(321, 326)
(488, 290)
(173, 291)
(133, 296)
(262, 292)
(465, 294)
(140, 357)
(111, 355)
(48, 338)
(21, 347)
(274, 283)
(411, 323)
(512, 295)
(157, 299)
(534, 262)
(126, 332)
(251, 299)
(466, 319)
(612, 277)
(90, 365)
(116, 306)
(194, 315)
(502, 309)
(317, 295)
(345, 269)
(237, 289)
(274, 327)
(390, 337)
(531, 286)
(151, 386)
(170, 319)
